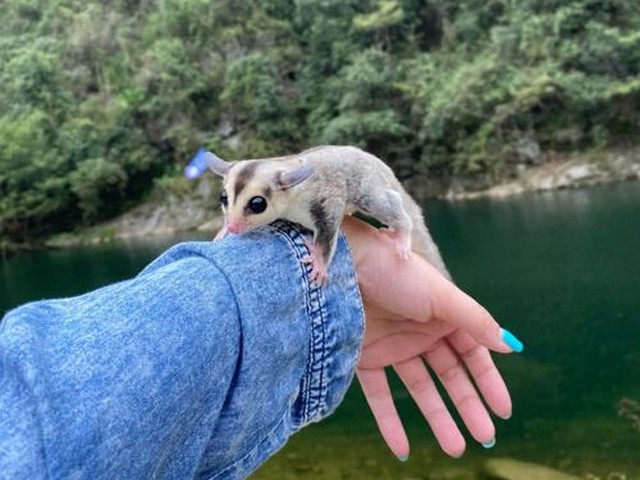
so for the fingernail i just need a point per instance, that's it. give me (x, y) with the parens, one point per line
(511, 340)
(403, 458)
(490, 444)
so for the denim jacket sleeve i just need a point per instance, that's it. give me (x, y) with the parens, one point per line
(199, 367)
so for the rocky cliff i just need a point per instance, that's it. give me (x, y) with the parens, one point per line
(195, 206)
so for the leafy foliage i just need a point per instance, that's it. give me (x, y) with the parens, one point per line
(98, 99)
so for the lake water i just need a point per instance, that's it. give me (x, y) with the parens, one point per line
(561, 270)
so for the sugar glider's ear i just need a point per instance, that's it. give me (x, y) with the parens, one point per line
(217, 164)
(286, 180)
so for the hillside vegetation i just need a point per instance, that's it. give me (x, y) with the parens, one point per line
(100, 99)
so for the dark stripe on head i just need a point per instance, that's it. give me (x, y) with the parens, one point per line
(244, 176)
(267, 193)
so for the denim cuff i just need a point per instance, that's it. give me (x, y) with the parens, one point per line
(202, 366)
(313, 335)
(336, 318)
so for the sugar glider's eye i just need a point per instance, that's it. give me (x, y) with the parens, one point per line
(223, 198)
(257, 204)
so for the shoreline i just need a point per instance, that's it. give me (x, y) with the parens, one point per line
(560, 175)
(194, 209)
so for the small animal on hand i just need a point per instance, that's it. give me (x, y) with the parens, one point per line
(316, 189)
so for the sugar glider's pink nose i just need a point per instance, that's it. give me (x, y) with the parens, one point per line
(235, 227)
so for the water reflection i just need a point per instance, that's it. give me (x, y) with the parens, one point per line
(54, 273)
(561, 269)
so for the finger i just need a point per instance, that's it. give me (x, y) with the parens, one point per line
(418, 381)
(415, 289)
(376, 390)
(484, 372)
(453, 376)
(452, 305)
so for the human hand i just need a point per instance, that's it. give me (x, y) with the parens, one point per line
(415, 315)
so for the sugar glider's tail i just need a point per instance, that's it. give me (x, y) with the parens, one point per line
(422, 242)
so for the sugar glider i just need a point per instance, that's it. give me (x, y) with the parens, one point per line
(316, 189)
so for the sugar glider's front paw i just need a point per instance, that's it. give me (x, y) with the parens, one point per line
(222, 233)
(318, 271)
(401, 241)
(318, 267)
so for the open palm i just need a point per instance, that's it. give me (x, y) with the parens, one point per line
(416, 318)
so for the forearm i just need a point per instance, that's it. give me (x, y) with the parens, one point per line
(202, 365)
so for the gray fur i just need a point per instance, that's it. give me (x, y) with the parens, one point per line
(367, 184)
(325, 183)
(294, 177)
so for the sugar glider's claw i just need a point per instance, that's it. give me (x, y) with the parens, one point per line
(222, 233)
(309, 259)
(319, 272)
(401, 241)
(403, 252)
(318, 268)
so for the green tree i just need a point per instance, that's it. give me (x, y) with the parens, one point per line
(98, 99)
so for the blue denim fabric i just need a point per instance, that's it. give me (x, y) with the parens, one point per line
(200, 367)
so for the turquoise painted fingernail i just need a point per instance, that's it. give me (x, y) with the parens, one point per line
(504, 417)
(511, 340)
(490, 444)
(403, 458)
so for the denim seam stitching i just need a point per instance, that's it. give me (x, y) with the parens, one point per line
(314, 392)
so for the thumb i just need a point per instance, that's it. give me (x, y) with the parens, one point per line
(452, 305)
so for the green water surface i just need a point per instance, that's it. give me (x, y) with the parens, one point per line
(561, 270)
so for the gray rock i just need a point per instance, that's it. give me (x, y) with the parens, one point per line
(579, 172)
(511, 469)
